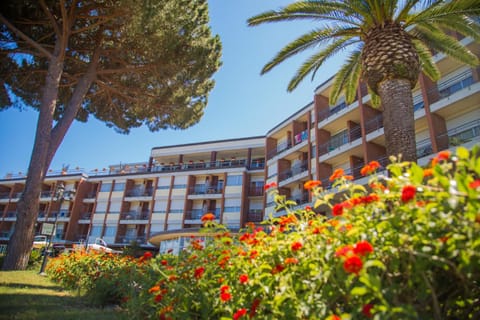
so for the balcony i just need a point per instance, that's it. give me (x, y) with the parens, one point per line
(128, 217)
(374, 124)
(46, 195)
(59, 215)
(4, 196)
(293, 171)
(255, 215)
(10, 216)
(85, 218)
(280, 148)
(256, 192)
(194, 216)
(203, 189)
(326, 113)
(129, 239)
(340, 139)
(220, 164)
(139, 192)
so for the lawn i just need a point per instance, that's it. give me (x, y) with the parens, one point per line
(28, 295)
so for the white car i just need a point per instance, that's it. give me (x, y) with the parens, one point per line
(101, 246)
(40, 242)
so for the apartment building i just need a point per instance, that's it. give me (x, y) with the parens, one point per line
(161, 201)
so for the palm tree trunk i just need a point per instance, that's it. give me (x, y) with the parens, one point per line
(398, 118)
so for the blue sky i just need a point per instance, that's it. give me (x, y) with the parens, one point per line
(242, 104)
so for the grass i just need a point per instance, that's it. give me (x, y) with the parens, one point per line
(28, 295)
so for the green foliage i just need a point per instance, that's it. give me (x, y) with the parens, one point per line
(406, 246)
(153, 60)
(345, 25)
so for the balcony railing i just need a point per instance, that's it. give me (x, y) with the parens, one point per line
(200, 165)
(453, 85)
(326, 113)
(256, 191)
(296, 169)
(135, 215)
(374, 123)
(197, 214)
(85, 216)
(281, 147)
(5, 195)
(340, 139)
(255, 215)
(204, 189)
(129, 239)
(139, 192)
(462, 134)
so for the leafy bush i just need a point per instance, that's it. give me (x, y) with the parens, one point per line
(103, 278)
(404, 246)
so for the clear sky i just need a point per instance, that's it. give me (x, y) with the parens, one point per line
(242, 104)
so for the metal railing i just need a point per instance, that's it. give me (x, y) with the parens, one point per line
(204, 189)
(139, 192)
(326, 113)
(135, 215)
(296, 169)
(340, 139)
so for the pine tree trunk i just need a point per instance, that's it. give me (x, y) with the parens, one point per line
(398, 118)
(21, 241)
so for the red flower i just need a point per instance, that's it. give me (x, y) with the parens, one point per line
(240, 313)
(225, 296)
(158, 298)
(443, 155)
(243, 278)
(296, 246)
(408, 193)
(363, 248)
(353, 264)
(208, 217)
(270, 185)
(253, 309)
(199, 272)
(334, 317)
(278, 268)
(337, 209)
(474, 184)
(366, 310)
(309, 185)
(308, 208)
(164, 262)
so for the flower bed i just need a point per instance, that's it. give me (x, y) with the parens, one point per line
(406, 246)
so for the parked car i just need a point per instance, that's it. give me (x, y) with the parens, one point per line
(40, 242)
(101, 246)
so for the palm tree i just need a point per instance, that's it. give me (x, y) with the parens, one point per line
(389, 42)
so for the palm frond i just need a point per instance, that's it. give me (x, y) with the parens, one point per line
(462, 24)
(426, 61)
(350, 71)
(307, 41)
(315, 61)
(374, 98)
(437, 40)
(404, 12)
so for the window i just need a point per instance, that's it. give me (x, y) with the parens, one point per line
(96, 231)
(179, 186)
(110, 231)
(231, 209)
(119, 186)
(163, 187)
(234, 180)
(106, 187)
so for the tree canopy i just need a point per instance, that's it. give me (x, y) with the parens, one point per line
(126, 62)
(152, 61)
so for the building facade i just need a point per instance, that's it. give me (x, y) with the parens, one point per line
(162, 200)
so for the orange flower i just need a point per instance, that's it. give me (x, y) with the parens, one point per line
(208, 217)
(337, 174)
(154, 289)
(443, 155)
(309, 185)
(427, 173)
(344, 251)
(291, 261)
(369, 168)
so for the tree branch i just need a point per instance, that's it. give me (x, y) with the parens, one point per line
(51, 18)
(27, 39)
